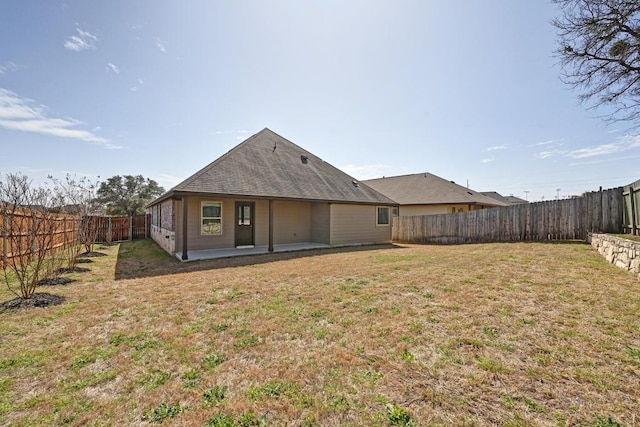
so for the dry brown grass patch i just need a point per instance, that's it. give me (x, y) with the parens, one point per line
(507, 334)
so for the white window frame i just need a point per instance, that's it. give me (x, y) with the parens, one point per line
(202, 218)
(378, 224)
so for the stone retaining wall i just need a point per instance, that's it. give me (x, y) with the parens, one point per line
(620, 252)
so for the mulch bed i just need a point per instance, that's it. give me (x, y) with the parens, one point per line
(39, 299)
(84, 260)
(55, 281)
(92, 254)
(73, 270)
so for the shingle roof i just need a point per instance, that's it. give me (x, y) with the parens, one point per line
(497, 196)
(516, 200)
(428, 189)
(268, 165)
(509, 200)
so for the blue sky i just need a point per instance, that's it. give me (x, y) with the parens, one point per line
(467, 90)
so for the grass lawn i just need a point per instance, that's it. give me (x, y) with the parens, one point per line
(521, 334)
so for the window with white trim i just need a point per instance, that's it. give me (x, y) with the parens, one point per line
(211, 214)
(383, 216)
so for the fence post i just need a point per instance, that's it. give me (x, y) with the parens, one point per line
(131, 228)
(5, 237)
(601, 219)
(634, 218)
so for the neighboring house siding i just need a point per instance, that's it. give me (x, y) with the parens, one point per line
(412, 210)
(320, 223)
(415, 210)
(354, 224)
(162, 227)
(291, 222)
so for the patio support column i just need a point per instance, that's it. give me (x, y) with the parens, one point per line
(270, 225)
(185, 212)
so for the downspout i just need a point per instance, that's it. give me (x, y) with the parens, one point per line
(185, 212)
(270, 225)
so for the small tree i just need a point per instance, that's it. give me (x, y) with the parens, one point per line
(599, 48)
(30, 226)
(78, 197)
(128, 194)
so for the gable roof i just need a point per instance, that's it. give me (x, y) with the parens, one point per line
(497, 196)
(270, 166)
(428, 189)
(509, 200)
(516, 200)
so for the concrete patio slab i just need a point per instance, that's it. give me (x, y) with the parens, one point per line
(244, 251)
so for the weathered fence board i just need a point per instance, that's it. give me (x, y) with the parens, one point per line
(121, 228)
(570, 219)
(631, 194)
(19, 232)
(64, 231)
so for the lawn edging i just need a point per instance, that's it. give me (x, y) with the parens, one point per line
(618, 251)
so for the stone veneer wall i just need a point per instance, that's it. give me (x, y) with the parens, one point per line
(622, 253)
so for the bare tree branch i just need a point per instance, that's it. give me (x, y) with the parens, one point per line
(599, 50)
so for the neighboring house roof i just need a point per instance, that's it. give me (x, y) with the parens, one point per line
(516, 200)
(497, 196)
(509, 200)
(428, 189)
(270, 166)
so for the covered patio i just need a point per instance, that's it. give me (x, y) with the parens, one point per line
(204, 254)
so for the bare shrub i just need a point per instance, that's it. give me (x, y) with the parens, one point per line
(30, 227)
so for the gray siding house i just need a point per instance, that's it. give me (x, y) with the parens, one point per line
(428, 194)
(268, 191)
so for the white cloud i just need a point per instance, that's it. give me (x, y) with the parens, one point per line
(487, 160)
(23, 114)
(136, 85)
(112, 68)
(634, 141)
(366, 171)
(600, 161)
(549, 142)
(551, 153)
(8, 67)
(83, 41)
(624, 143)
(161, 45)
(594, 151)
(498, 147)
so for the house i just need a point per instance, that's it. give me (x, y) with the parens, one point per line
(267, 193)
(509, 200)
(428, 194)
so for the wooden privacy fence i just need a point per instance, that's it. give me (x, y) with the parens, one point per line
(121, 228)
(59, 231)
(569, 219)
(25, 231)
(631, 220)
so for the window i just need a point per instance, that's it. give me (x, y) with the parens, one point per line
(383, 215)
(211, 218)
